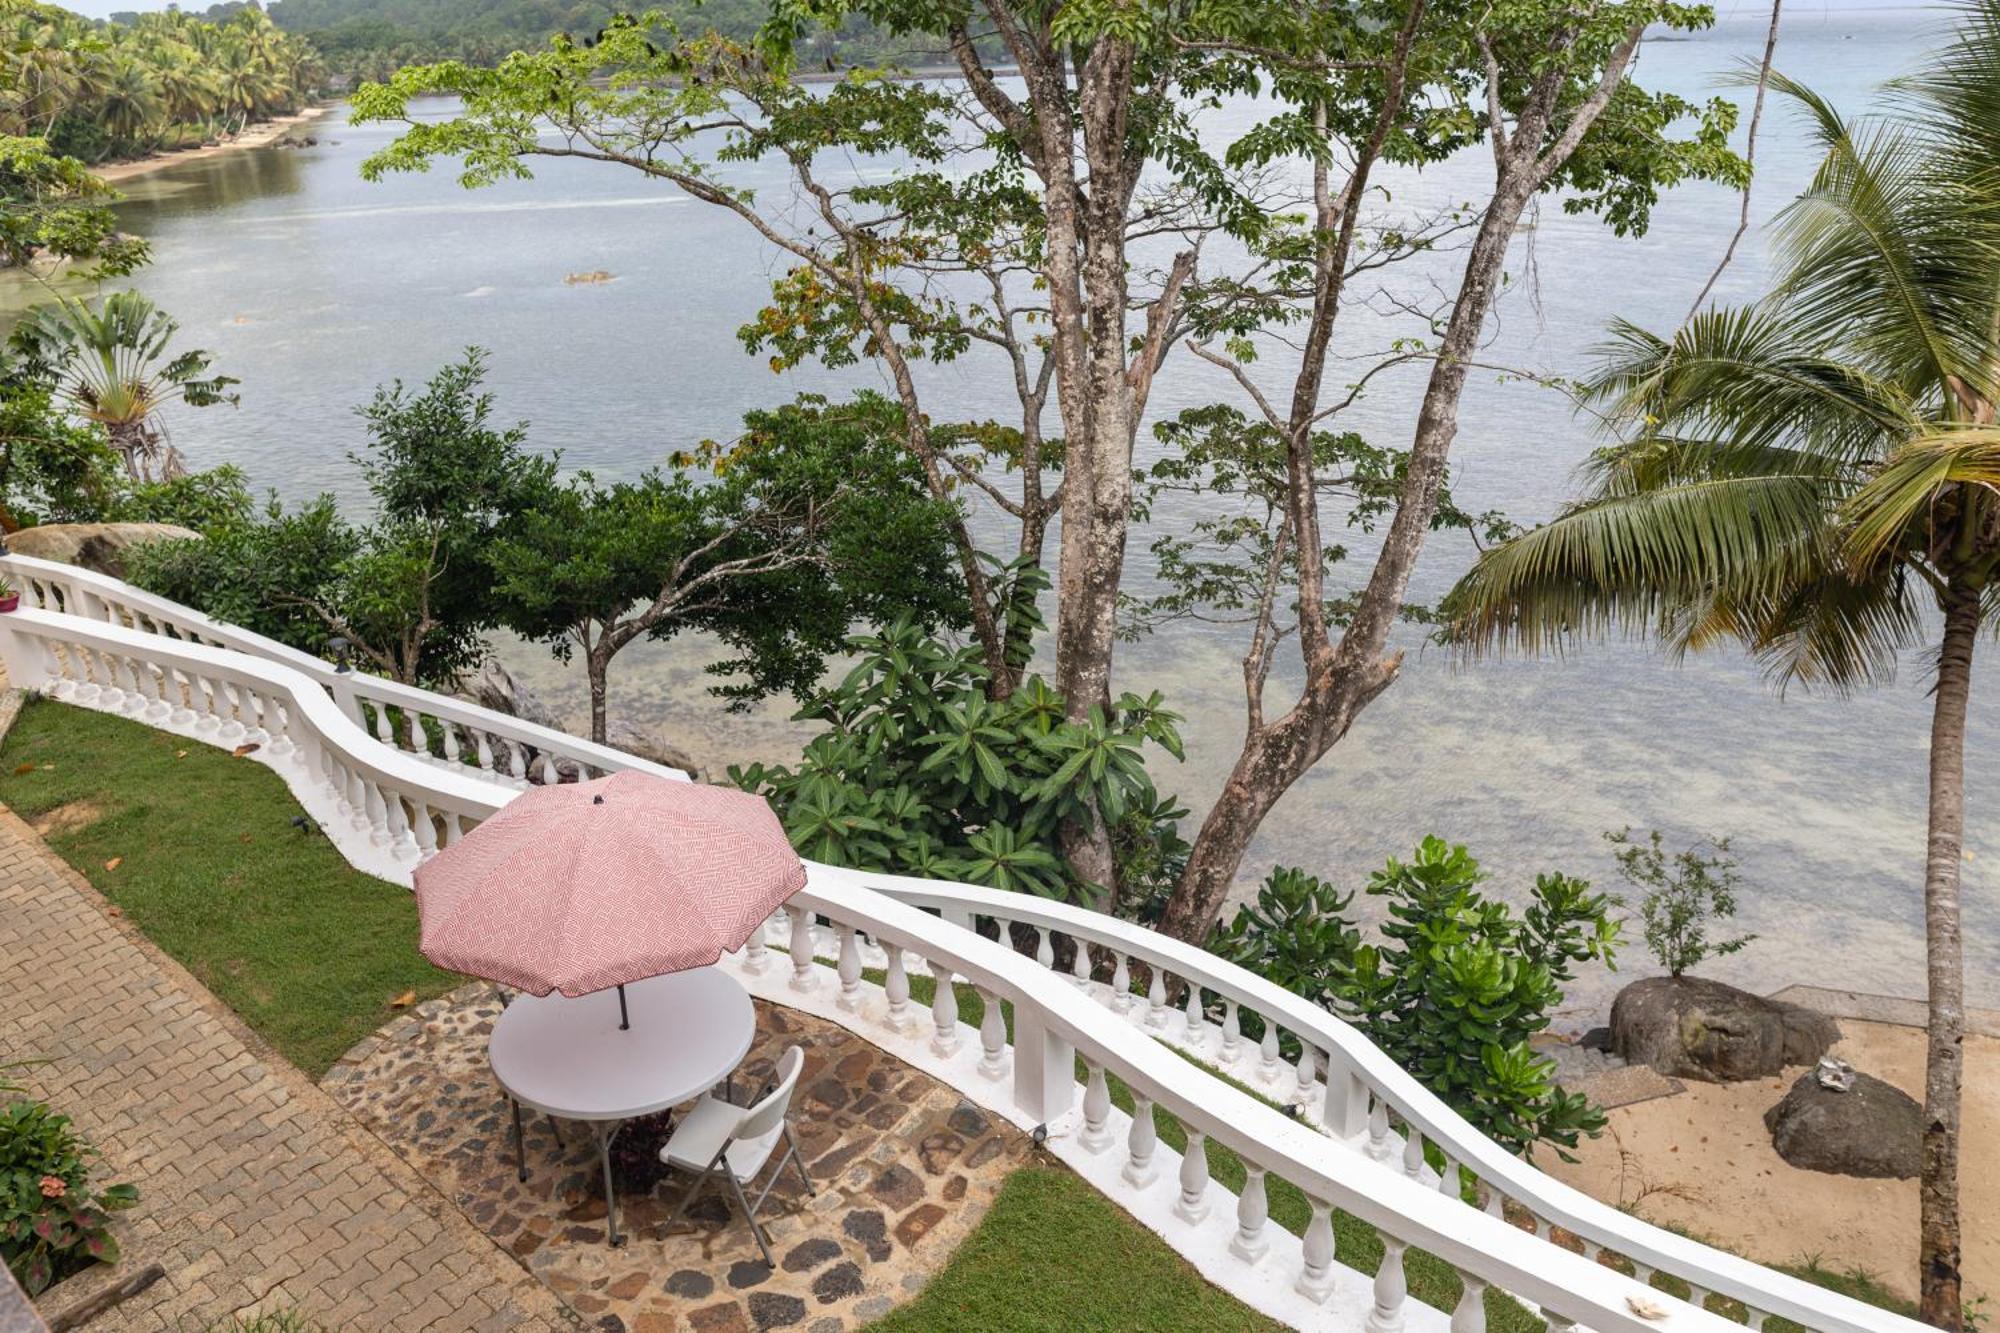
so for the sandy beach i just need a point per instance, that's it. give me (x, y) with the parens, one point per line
(1701, 1160)
(258, 135)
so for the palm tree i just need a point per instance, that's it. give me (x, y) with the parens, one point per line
(1810, 475)
(113, 369)
(130, 104)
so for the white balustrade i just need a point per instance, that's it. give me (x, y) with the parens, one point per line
(386, 807)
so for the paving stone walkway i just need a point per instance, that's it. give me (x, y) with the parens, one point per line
(904, 1167)
(257, 1191)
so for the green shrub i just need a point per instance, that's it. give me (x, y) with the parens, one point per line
(1680, 896)
(51, 1223)
(1457, 990)
(920, 773)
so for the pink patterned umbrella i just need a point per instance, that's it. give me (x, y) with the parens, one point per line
(582, 886)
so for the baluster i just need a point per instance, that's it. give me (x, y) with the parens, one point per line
(992, 1036)
(1192, 1206)
(1470, 1314)
(756, 950)
(450, 730)
(1196, 1025)
(550, 772)
(454, 827)
(849, 970)
(1558, 1323)
(1378, 1131)
(228, 704)
(1156, 999)
(1496, 1202)
(401, 843)
(134, 702)
(1140, 1143)
(1698, 1296)
(207, 704)
(1316, 1248)
(1252, 1210)
(944, 1011)
(897, 984)
(278, 722)
(413, 729)
(357, 799)
(1045, 953)
(802, 949)
(1121, 984)
(1413, 1152)
(384, 732)
(164, 689)
(257, 708)
(482, 750)
(1079, 963)
(1096, 1133)
(1232, 1031)
(1268, 1071)
(426, 831)
(1305, 1070)
(181, 689)
(1390, 1289)
(1757, 1318)
(1448, 1178)
(378, 814)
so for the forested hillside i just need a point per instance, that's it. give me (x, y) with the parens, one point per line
(370, 39)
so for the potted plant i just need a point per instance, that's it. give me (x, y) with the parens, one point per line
(9, 599)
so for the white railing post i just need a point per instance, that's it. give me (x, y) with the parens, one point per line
(1253, 1210)
(897, 984)
(1391, 1289)
(1317, 1250)
(944, 1011)
(1044, 1068)
(802, 949)
(1096, 1134)
(1192, 1206)
(1140, 1143)
(849, 969)
(1469, 1315)
(1345, 1114)
(992, 1035)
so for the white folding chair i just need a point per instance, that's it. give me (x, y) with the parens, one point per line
(735, 1143)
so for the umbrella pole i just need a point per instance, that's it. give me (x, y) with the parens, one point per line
(624, 1019)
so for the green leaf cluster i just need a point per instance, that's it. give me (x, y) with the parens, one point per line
(52, 1223)
(1458, 987)
(1681, 896)
(919, 772)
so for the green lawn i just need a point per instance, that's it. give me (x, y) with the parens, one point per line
(309, 951)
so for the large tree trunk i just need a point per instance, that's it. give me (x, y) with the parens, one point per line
(1938, 1252)
(1349, 676)
(597, 668)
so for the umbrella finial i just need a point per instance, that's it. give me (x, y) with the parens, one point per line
(597, 799)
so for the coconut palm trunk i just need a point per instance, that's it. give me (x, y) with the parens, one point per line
(1944, 1066)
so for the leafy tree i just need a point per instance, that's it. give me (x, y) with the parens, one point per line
(1812, 475)
(52, 469)
(1295, 934)
(1680, 895)
(919, 772)
(111, 366)
(1063, 219)
(51, 205)
(774, 548)
(409, 590)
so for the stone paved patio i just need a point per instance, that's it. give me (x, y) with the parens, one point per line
(904, 1168)
(255, 1191)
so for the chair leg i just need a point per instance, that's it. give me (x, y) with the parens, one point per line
(555, 1128)
(750, 1216)
(687, 1198)
(799, 1161)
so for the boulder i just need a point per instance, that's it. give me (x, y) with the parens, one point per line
(636, 740)
(99, 546)
(1873, 1129)
(496, 688)
(1690, 1027)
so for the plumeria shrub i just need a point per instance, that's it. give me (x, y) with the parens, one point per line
(1455, 990)
(52, 1223)
(919, 772)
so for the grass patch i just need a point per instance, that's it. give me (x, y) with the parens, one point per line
(305, 948)
(1055, 1256)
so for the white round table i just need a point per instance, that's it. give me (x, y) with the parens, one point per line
(571, 1058)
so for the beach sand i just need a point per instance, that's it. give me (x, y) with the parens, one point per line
(258, 135)
(1702, 1161)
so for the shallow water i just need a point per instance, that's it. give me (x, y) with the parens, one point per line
(312, 287)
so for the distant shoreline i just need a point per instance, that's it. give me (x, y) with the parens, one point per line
(259, 135)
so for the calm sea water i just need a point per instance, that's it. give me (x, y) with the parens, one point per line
(313, 286)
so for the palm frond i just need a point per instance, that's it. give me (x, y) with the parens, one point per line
(1919, 493)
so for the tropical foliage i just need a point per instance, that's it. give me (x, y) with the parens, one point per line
(919, 772)
(93, 91)
(52, 1222)
(111, 365)
(1456, 990)
(1816, 476)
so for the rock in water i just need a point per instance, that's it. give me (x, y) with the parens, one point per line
(99, 546)
(1690, 1027)
(1873, 1129)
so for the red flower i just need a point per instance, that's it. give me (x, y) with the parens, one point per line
(54, 1187)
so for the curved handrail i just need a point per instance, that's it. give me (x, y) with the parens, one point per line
(386, 809)
(1553, 1202)
(73, 590)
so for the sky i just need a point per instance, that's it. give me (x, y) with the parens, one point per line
(1724, 9)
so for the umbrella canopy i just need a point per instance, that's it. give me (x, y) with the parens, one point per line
(586, 885)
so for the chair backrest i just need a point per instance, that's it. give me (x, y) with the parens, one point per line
(765, 1116)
